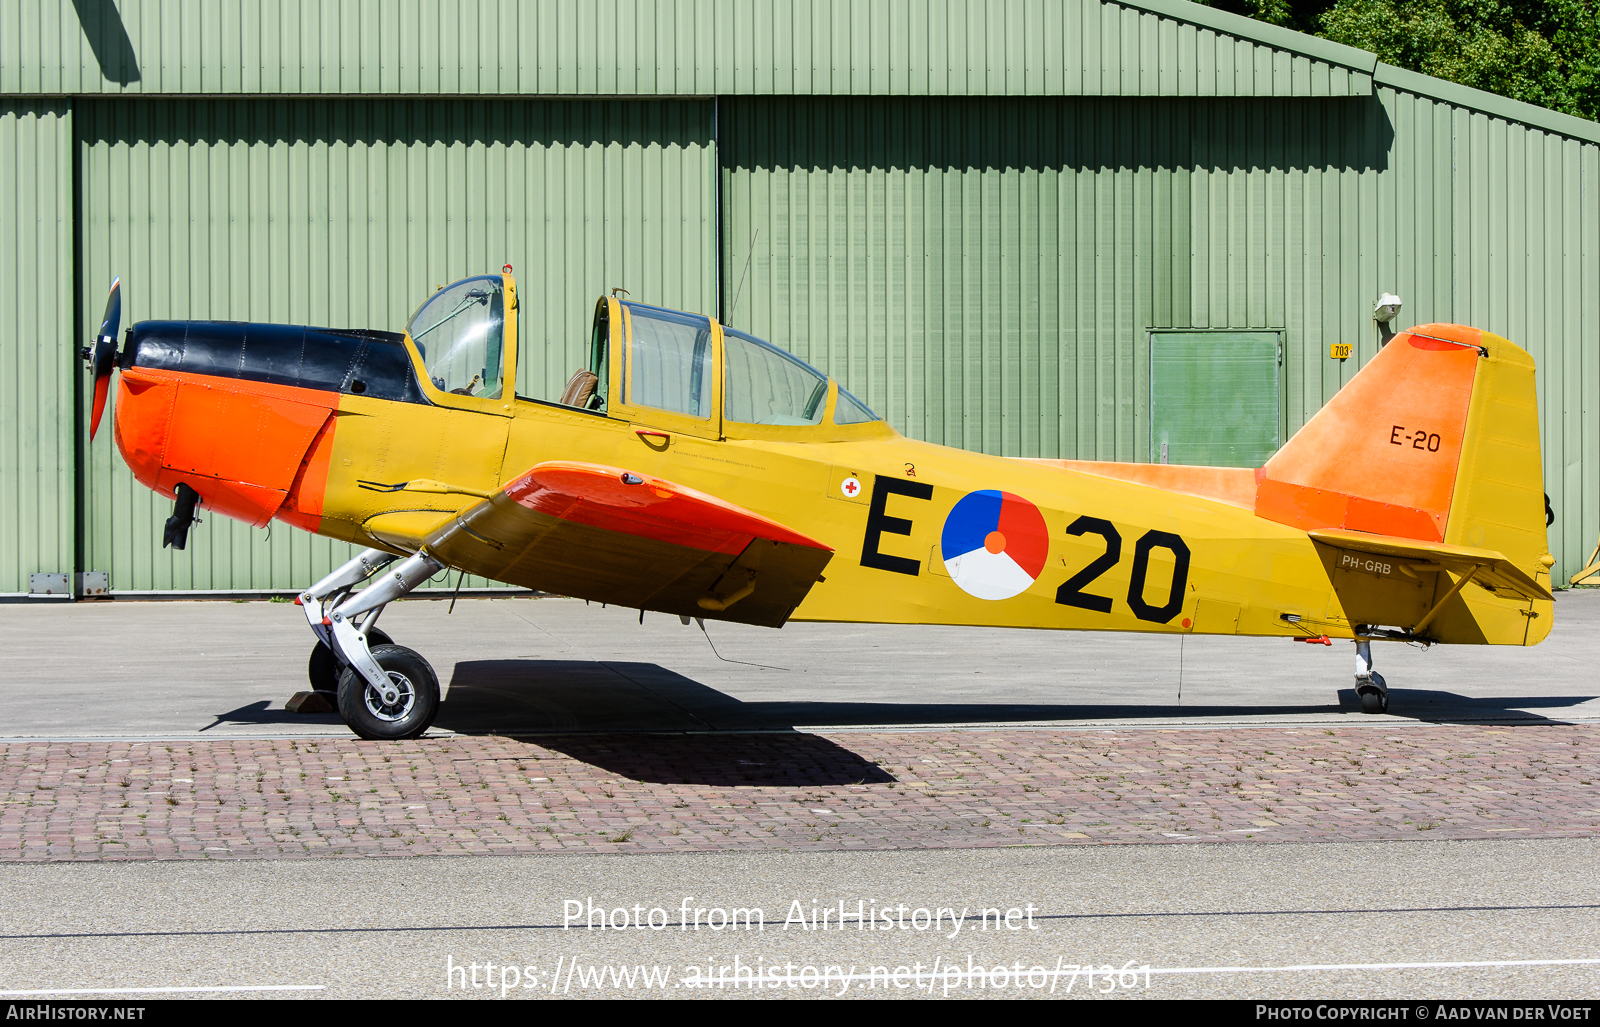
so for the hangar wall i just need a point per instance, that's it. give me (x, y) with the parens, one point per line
(985, 272)
(348, 213)
(1497, 225)
(972, 211)
(37, 340)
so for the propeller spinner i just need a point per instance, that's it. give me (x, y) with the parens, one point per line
(102, 353)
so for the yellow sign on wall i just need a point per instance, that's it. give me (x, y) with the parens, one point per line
(1340, 351)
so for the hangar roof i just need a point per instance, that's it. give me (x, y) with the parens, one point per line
(665, 47)
(692, 48)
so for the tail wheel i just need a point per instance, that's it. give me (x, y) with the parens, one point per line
(1374, 697)
(325, 668)
(409, 715)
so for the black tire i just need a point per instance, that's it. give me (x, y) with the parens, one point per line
(325, 668)
(406, 719)
(1374, 700)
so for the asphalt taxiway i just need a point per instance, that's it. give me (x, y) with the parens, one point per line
(524, 666)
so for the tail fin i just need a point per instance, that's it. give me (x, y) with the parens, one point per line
(1436, 439)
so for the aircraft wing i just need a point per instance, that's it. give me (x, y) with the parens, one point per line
(612, 536)
(1488, 568)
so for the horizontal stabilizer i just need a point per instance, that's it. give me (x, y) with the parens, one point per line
(1489, 569)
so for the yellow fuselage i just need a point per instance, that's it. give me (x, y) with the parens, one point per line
(1245, 573)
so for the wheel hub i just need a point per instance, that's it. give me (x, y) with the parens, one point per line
(395, 702)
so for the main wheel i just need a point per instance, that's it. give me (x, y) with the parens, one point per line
(325, 667)
(364, 709)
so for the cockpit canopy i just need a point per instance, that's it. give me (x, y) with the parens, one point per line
(663, 360)
(460, 335)
(669, 362)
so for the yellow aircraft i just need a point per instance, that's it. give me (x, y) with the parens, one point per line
(696, 470)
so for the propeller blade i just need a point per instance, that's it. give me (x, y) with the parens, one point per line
(102, 387)
(113, 316)
(101, 353)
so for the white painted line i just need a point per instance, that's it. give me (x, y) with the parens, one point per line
(1324, 967)
(161, 991)
(930, 978)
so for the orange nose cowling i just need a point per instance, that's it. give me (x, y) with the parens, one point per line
(244, 446)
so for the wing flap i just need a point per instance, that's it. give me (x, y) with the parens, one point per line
(608, 535)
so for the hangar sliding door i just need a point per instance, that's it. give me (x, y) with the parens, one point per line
(985, 271)
(979, 270)
(348, 213)
(37, 344)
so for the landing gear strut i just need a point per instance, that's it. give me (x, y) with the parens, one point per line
(1370, 686)
(384, 690)
(324, 668)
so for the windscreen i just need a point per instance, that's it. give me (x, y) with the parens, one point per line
(765, 385)
(460, 333)
(849, 410)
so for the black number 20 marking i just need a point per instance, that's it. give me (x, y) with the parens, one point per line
(1141, 567)
(1071, 593)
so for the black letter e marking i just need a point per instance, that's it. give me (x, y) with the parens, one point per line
(879, 522)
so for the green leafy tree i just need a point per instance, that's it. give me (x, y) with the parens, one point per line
(1545, 52)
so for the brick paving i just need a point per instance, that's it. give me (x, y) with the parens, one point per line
(934, 789)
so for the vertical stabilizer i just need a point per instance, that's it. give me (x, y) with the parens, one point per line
(1384, 454)
(1436, 440)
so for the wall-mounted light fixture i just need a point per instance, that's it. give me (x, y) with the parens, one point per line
(1383, 314)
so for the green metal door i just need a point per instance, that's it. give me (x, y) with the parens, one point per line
(1216, 398)
(348, 213)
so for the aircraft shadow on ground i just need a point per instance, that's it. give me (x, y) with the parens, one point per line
(579, 707)
(776, 759)
(557, 696)
(1434, 706)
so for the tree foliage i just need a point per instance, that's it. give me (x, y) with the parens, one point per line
(1545, 52)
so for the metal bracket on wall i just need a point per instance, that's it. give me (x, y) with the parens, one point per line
(50, 585)
(61, 585)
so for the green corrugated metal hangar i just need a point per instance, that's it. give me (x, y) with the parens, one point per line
(1061, 228)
